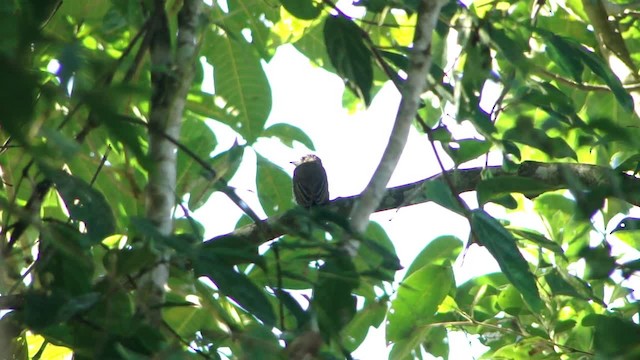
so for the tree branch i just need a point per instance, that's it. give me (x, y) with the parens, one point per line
(420, 63)
(608, 35)
(556, 176)
(171, 77)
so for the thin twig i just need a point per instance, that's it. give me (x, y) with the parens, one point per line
(581, 86)
(420, 64)
(185, 342)
(276, 252)
(211, 172)
(102, 162)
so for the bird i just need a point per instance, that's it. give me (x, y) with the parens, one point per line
(310, 186)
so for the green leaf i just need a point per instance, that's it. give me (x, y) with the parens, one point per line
(465, 150)
(525, 133)
(502, 246)
(538, 239)
(291, 304)
(131, 135)
(377, 253)
(436, 342)
(196, 136)
(225, 165)
(312, 45)
(614, 337)
(477, 67)
(371, 315)
(18, 87)
(43, 310)
(510, 301)
(559, 286)
(567, 51)
(84, 204)
(184, 320)
(552, 100)
(134, 258)
(332, 298)
(563, 55)
(241, 84)
(599, 262)
(496, 187)
(234, 285)
(559, 211)
(417, 301)
(115, 312)
(302, 9)
(287, 134)
(274, 187)
(438, 191)
(259, 343)
(439, 251)
(255, 16)
(64, 262)
(598, 66)
(349, 55)
(511, 49)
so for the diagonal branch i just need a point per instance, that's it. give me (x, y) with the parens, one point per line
(171, 78)
(608, 35)
(555, 176)
(420, 63)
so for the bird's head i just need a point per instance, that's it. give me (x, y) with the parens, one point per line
(307, 159)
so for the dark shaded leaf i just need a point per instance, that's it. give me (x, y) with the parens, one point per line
(349, 55)
(234, 285)
(538, 239)
(302, 9)
(502, 246)
(436, 342)
(438, 192)
(559, 286)
(495, 187)
(572, 51)
(84, 204)
(63, 260)
(378, 252)
(332, 298)
(291, 304)
(511, 49)
(599, 262)
(43, 310)
(614, 337)
(563, 55)
(526, 133)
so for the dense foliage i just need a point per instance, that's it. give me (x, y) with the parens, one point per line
(76, 91)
